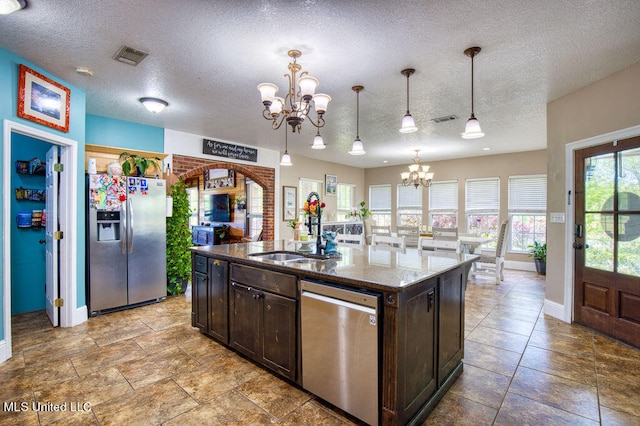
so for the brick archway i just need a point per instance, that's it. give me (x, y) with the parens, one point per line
(187, 167)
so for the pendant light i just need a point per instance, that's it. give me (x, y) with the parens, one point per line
(318, 142)
(472, 129)
(357, 147)
(408, 125)
(286, 159)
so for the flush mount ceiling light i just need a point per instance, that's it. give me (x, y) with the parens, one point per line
(357, 148)
(154, 104)
(296, 105)
(415, 176)
(10, 6)
(472, 129)
(286, 159)
(408, 125)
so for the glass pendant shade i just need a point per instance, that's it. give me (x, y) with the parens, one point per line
(472, 129)
(357, 148)
(267, 92)
(321, 101)
(318, 142)
(276, 106)
(308, 86)
(286, 159)
(408, 124)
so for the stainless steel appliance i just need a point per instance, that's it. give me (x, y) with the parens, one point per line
(126, 241)
(340, 348)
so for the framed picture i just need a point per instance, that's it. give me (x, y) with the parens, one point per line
(219, 178)
(289, 206)
(42, 100)
(330, 184)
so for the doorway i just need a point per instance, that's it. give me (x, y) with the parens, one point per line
(69, 314)
(607, 238)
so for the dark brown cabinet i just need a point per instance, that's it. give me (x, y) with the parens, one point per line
(263, 317)
(209, 297)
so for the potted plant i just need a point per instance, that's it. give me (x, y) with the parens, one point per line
(539, 253)
(364, 212)
(178, 241)
(241, 202)
(222, 232)
(134, 162)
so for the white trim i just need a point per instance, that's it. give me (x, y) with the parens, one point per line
(519, 266)
(554, 309)
(68, 246)
(3, 351)
(566, 313)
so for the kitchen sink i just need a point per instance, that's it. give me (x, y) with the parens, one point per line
(289, 257)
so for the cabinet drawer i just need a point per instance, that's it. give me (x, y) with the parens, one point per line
(200, 263)
(274, 282)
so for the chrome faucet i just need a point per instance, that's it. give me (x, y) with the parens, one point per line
(319, 246)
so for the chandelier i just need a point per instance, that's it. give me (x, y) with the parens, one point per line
(415, 176)
(294, 108)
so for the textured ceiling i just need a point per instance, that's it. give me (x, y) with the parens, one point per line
(207, 57)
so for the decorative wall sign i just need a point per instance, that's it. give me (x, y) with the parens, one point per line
(289, 203)
(330, 184)
(227, 150)
(42, 100)
(219, 178)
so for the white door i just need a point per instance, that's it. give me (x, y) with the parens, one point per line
(51, 211)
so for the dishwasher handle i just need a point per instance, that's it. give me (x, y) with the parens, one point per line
(339, 302)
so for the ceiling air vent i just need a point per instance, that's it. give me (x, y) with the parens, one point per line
(444, 118)
(130, 56)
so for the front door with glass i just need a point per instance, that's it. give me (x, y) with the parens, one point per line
(607, 239)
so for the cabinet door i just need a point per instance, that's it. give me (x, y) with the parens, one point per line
(199, 301)
(218, 313)
(245, 320)
(279, 334)
(451, 335)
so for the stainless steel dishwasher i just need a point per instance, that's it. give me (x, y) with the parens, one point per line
(340, 348)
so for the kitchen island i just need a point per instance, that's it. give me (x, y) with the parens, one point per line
(252, 298)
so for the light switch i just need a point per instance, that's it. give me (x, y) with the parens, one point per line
(557, 217)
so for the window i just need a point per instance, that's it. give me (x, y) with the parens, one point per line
(443, 204)
(482, 206)
(409, 206)
(305, 187)
(380, 202)
(527, 211)
(345, 193)
(254, 208)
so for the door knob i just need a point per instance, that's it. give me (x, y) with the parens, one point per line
(42, 241)
(577, 246)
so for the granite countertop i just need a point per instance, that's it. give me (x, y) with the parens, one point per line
(382, 269)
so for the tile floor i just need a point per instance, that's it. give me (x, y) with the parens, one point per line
(148, 366)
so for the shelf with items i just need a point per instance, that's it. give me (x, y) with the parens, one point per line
(30, 194)
(31, 167)
(32, 219)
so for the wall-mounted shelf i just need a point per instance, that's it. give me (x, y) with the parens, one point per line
(108, 154)
(31, 167)
(31, 194)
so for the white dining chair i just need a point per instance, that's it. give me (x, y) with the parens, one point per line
(426, 243)
(412, 234)
(381, 241)
(491, 263)
(350, 240)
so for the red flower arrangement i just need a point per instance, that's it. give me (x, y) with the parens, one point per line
(313, 208)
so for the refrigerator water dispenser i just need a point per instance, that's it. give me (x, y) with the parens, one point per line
(108, 223)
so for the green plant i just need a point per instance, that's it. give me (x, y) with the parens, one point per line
(292, 224)
(131, 162)
(178, 240)
(538, 251)
(223, 232)
(364, 212)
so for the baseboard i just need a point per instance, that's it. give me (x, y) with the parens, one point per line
(520, 266)
(555, 310)
(4, 355)
(80, 315)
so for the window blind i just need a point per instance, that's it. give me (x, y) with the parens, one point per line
(409, 197)
(482, 194)
(380, 197)
(443, 195)
(528, 193)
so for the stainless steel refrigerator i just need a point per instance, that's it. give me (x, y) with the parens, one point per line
(126, 242)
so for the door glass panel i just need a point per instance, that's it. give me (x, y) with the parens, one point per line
(599, 182)
(598, 243)
(629, 180)
(629, 244)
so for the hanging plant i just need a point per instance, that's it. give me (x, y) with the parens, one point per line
(178, 240)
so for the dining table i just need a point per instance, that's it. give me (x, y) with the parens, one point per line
(472, 243)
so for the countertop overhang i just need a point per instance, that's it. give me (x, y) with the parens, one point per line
(387, 269)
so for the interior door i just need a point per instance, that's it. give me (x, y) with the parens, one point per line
(607, 239)
(51, 210)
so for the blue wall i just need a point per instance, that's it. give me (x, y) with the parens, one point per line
(8, 106)
(124, 134)
(28, 271)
